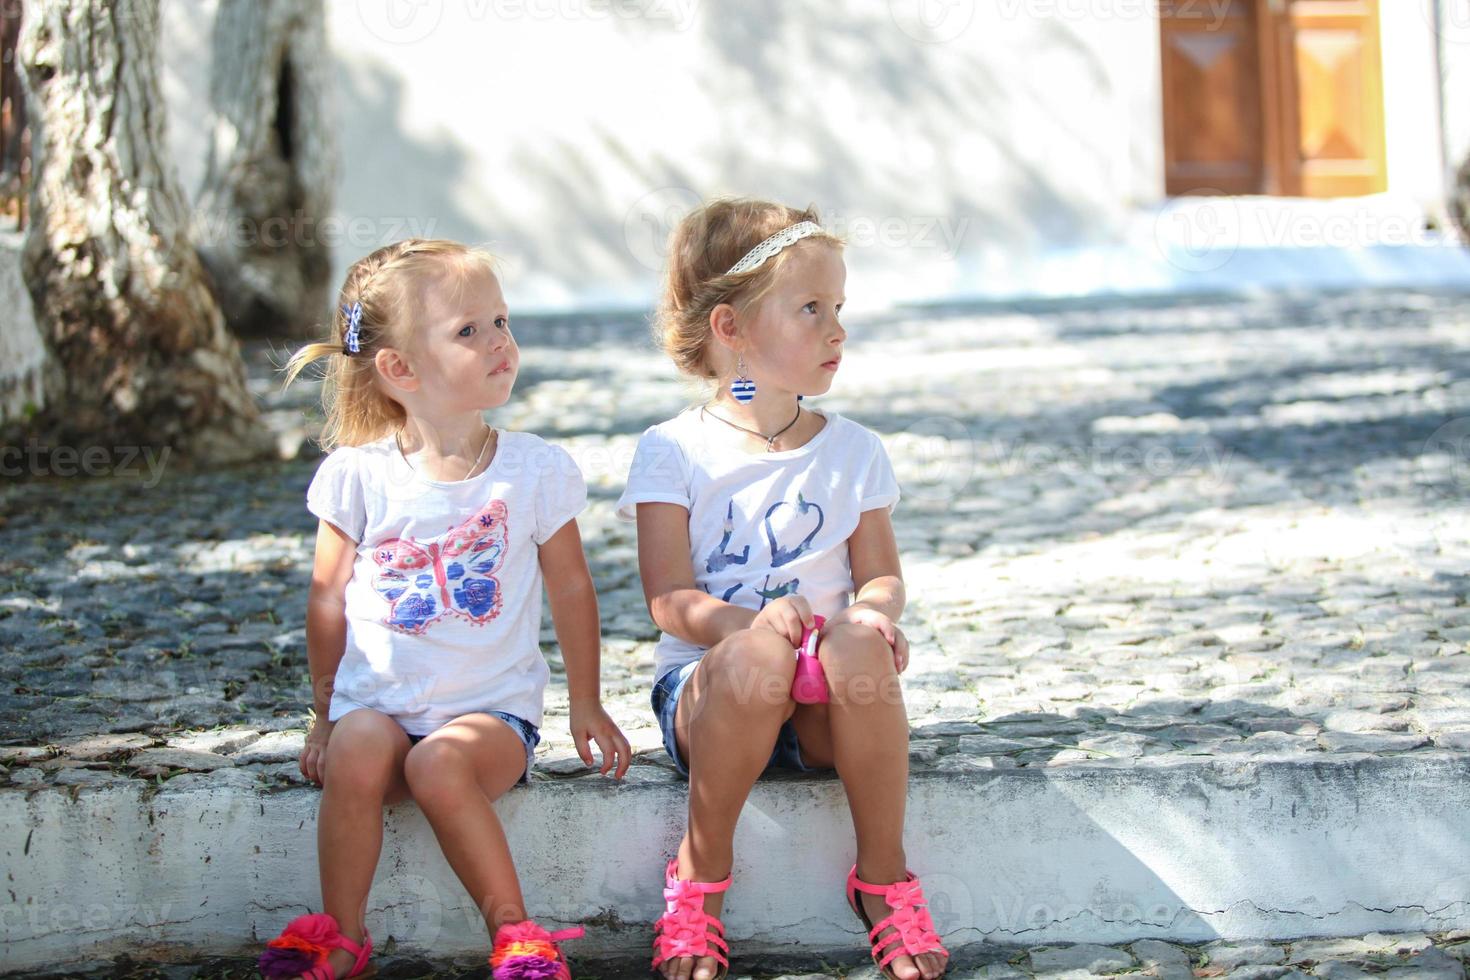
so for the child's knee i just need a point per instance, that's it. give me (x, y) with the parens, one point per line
(755, 668)
(358, 775)
(436, 772)
(363, 752)
(851, 650)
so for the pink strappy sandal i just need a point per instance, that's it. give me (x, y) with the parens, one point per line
(302, 948)
(525, 951)
(913, 931)
(685, 928)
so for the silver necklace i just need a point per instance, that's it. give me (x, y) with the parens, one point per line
(770, 439)
(489, 435)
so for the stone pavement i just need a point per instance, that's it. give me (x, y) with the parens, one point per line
(1135, 533)
(1388, 957)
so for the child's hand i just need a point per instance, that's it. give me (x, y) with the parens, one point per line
(591, 722)
(788, 615)
(313, 761)
(862, 615)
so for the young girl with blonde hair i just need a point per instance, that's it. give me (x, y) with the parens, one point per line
(425, 605)
(764, 530)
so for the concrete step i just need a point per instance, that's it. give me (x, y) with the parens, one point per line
(1111, 851)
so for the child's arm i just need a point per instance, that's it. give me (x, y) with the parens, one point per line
(877, 578)
(326, 636)
(574, 614)
(677, 605)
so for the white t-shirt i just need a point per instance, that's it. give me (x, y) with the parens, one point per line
(444, 604)
(761, 525)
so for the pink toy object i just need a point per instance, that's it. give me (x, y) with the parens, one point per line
(809, 686)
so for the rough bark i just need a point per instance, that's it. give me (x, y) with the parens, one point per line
(139, 350)
(22, 350)
(1460, 200)
(270, 173)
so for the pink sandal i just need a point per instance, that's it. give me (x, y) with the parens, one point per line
(302, 948)
(913, 930)
(685, 928)
(525, 951)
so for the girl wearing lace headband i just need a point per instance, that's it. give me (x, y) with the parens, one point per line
(764, 530)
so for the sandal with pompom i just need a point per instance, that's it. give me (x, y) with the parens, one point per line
(685, 928)
(525, 951)
(913, 930)
(302, 948)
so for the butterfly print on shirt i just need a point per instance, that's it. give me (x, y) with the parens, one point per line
(424, 581)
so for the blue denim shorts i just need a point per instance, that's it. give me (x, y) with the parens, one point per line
(530, 736)
(786, 754)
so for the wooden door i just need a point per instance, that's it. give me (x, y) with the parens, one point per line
(1272, 97)
(1328, 70)
(1213, 141)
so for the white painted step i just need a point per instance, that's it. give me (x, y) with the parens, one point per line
(1078, 853)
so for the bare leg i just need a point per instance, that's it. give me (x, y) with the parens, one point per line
(727, 722)
(454, 775)
(364, 771)
(865, 734)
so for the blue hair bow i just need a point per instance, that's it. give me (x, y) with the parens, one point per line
(354, 325)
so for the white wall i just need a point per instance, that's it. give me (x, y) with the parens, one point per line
(568, 134)
(964, 146)
(1454, 18)
(1412, 103)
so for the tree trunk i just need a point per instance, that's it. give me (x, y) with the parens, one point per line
(139, 351)
(22, 349)
(270, 174)
(1459, 198)
(1460, 201)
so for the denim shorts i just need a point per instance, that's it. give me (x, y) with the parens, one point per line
(529, 735)
(786, 754)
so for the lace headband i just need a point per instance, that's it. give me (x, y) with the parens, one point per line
(784, 238)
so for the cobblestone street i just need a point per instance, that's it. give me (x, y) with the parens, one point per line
(1234, 526)
(1132, 532)
(1388, 957)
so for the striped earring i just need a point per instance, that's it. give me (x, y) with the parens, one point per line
(741, 387)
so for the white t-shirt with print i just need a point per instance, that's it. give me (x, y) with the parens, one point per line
(444, 604)
(762, 525)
